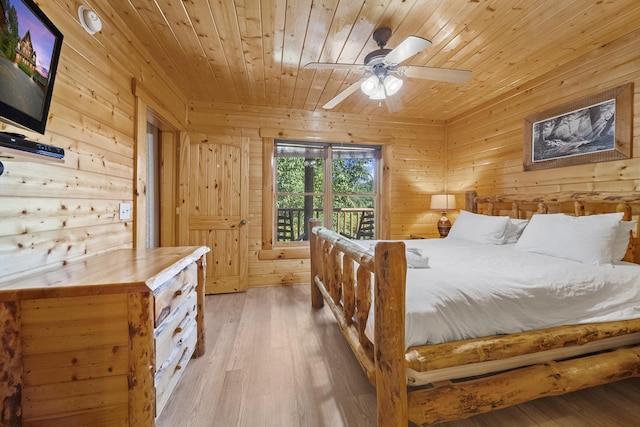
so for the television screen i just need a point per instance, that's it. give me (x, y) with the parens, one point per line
(29, 51)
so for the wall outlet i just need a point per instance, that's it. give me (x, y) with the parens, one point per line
(125, 210)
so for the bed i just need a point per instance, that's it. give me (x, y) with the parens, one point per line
(455, 377)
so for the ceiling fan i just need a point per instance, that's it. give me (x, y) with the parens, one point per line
(382, 67)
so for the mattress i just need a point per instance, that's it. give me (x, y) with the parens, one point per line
(471, 290)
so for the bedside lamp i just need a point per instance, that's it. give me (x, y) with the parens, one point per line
(443, 203)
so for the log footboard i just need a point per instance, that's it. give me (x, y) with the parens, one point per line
(332, 278)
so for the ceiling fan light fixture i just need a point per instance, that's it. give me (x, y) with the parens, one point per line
(379, 93)
(370, 86)
(392, 85)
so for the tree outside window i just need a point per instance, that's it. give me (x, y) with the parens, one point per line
(346, 201)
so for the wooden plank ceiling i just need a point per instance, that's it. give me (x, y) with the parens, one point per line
(251, 52)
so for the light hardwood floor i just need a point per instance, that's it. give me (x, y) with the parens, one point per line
(273, 361)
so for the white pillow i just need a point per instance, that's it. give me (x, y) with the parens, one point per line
(621, 242)
(515, 227)
(479, 228)
(415, 259)
(586, 239)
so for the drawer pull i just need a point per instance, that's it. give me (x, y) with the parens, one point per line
(184, 323)
(183, 289)
(184, 359)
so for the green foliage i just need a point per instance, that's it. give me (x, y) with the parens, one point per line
(291, 179)
(352, 176)
(24, 68)
(349, 177)
(9, 37)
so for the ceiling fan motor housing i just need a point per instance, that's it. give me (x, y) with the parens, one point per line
(380, 36)
(374, 58)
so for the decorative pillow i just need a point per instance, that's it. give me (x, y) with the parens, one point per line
(621, 242)
(479, 228)
(515, 227)
(586, 239)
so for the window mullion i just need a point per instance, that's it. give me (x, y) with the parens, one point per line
(328, 190)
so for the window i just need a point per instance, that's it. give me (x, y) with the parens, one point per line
(337, 183)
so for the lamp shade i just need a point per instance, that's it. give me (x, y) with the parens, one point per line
(443, 202)
(370, 85)
(392, 85)
(379, 94)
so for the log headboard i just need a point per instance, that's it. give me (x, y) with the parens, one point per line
(571, 203)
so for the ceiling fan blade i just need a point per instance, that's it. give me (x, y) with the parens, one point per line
(342, 95)
(409, 47)
(394, 103)
(332, 66)
(450, 75)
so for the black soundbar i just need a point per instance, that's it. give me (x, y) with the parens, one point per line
(19, 142)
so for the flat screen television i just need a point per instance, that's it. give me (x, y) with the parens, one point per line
(29, 51)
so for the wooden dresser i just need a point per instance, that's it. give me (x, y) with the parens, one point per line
(103, 341)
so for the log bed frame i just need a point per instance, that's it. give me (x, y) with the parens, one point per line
(337, 265)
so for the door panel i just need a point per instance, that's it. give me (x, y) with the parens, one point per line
(215, 199)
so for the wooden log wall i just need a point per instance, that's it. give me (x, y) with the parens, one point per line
(416, 169)
(52, 213)
(485, 145)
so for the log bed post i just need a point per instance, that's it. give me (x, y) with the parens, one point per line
(389, 300)
(316, 296)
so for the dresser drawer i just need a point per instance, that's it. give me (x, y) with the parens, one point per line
(172, 332)
(168, 375)
(172, 293)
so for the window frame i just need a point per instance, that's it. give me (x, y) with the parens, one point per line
(271, 249)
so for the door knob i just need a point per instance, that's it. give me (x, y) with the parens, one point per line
(244, 222)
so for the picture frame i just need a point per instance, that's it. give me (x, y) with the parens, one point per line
(593, 129)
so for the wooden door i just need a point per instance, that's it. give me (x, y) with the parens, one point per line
(214, 182)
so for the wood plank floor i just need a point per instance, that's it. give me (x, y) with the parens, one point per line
(273, 361)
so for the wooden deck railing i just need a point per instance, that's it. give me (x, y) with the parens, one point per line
(291, 222)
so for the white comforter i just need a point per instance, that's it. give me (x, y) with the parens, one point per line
(472, 290)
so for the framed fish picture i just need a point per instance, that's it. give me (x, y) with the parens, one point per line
(590, 130)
